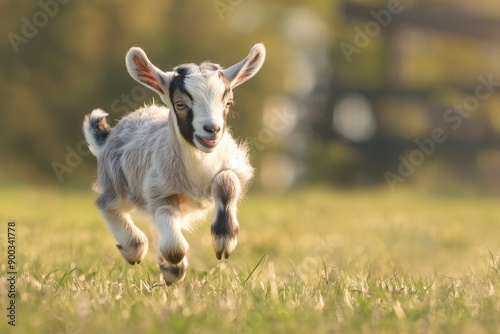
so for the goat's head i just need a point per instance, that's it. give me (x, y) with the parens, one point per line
(199, 95)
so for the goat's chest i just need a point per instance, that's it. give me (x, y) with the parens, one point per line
(201, 173)
(189, 204)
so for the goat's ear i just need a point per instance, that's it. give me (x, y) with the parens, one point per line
(141, 69)
(247, 68)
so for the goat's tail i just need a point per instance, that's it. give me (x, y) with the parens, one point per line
(96, 130)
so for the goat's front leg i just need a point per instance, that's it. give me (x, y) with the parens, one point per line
(226, 190)
(172, 245)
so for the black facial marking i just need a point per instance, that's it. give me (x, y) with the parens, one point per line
(185, 123)
(182, 70)
(179, 84)
(186, 127)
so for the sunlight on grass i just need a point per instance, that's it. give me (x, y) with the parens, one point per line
(313, 260)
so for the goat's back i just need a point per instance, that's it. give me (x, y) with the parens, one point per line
(133, 145)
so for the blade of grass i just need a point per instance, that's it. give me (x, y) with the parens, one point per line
(64, 278)
(255, 268)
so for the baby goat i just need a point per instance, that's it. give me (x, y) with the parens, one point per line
(174, 163)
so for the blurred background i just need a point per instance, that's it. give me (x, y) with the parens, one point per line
(353, 93)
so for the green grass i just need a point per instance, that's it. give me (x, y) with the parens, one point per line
(310, 261)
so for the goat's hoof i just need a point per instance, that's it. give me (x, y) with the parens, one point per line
(224, 245)
(173, 273)
(174, 256)
(219, 255)
(134, 251)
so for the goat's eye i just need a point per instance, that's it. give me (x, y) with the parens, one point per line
(180, 106)
(229, 104)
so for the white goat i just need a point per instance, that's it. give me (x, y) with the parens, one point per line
(173, 162)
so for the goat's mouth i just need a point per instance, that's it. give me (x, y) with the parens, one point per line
(207, 143)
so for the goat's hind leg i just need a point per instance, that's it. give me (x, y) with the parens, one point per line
(226, 190)
(132, 242)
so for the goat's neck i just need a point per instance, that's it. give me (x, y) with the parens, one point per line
(200, 167)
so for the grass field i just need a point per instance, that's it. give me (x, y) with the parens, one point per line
(310, 261)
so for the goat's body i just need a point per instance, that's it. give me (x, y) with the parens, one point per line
(175, 163)
(142, 159)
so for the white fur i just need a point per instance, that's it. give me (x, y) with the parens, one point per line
(94, 146)
(145, 161)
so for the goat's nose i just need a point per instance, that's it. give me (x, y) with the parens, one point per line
(212, 128)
